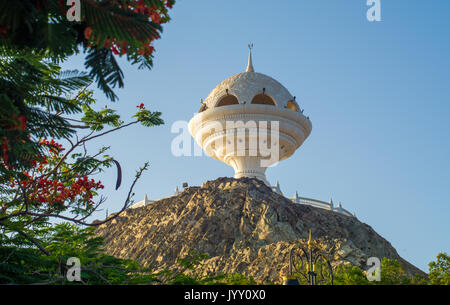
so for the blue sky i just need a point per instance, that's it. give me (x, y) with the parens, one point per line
(378, 95)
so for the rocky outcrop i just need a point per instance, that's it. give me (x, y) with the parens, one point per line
(243, 226)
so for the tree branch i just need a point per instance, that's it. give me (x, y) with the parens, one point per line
(33, 241)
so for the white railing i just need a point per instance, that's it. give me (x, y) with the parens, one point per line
(316, 203)
(321, 205)
(299, 200)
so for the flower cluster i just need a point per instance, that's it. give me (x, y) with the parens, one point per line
(49, 191)
(41, 187)
(158, 15)
(52, 146)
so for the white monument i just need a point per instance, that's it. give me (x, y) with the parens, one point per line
(250, 122)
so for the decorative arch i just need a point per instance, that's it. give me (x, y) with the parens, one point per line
(292, 105)
(263, 99)
(227, 100)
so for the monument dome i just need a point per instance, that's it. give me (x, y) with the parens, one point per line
(250, 121)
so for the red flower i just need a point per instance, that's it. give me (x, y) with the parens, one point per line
(156, 18)
(141, 6)
(115, 51)
(107, 43)
(123, 47)
(87, 32)
(150, 50)
(23, 122)
(141, 106)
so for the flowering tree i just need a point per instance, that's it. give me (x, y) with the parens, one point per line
(47, 116)
(37, 35)
(105, 28)
(56, 182)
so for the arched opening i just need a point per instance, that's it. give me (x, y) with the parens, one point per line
(227, 100)
(263, 99)
(203, 107)
(292, 105)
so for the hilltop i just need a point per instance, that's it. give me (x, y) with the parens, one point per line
(243, 226)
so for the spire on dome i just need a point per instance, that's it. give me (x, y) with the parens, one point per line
(250, 64)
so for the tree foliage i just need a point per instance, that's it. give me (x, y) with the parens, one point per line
(349, 275)
(392, 273)
(106, 28)
(55, 182)
(47, 119)
(440, 270)
(24, 265)
(41, 105)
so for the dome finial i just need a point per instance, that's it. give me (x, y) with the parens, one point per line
(250, 64)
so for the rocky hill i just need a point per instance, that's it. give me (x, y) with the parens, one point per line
(243, 226)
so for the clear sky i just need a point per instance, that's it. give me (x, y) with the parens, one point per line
(378, 96)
